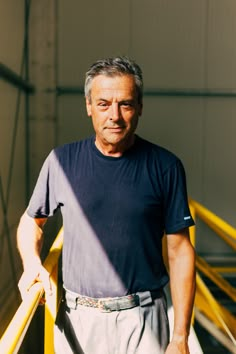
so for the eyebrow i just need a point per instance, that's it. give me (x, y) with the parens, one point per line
(128, 100)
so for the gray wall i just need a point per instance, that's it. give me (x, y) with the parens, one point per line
(12, 154)
(183, 44)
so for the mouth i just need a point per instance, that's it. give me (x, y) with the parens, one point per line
(115, 129)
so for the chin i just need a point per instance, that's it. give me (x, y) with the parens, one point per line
(115, 138)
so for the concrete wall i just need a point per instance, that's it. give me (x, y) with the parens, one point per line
(12, 154)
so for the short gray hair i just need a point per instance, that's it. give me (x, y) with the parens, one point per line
(113, 67)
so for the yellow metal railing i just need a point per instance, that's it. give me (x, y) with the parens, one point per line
(204, 301)
(221, 228)
(13, 336)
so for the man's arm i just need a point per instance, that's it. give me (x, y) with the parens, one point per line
(29, 243)
(181, 257)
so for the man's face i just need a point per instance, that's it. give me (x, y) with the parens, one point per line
(114, 109)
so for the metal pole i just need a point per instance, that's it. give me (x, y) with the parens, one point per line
(10, 76)
(153, 92)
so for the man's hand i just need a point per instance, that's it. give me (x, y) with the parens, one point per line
(178, 346)
(35, 273)
(29, 243)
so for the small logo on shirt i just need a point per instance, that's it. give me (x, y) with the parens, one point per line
(187, 217)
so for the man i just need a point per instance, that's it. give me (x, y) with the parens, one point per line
(118, 195)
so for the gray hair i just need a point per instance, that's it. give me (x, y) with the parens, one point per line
(113, 67)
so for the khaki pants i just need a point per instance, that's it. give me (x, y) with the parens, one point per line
(139, 330)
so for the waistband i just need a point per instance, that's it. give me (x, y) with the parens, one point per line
(110, 304)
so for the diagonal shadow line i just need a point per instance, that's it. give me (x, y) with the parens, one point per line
(73, 194)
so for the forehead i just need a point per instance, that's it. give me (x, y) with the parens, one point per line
(119, 85)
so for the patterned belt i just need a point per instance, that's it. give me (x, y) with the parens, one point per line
(111, 304)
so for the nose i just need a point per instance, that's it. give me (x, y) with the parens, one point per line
(115, 112)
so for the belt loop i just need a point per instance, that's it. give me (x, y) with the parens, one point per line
(71, 299)
(145, 298)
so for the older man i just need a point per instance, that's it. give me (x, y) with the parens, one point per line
(118, 195)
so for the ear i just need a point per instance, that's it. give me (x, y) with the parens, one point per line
(88, 107)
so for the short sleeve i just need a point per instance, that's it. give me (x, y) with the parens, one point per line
(43, 202)
(176, 208)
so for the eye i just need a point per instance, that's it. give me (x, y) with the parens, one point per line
(127, 104)
(102, 105)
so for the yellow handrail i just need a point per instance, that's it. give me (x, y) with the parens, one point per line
(13, 336)
(207, 304)
(51, 264)
(204, 299)
(212, 274)
(221, 227)
(16, 330)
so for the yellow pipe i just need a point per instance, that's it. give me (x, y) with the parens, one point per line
(231, 242)
(51, 264)
(225, 269)
(50, 314)
(224, 319)
(54, 252)
(208, 216)
(215, 277)
(14, 334)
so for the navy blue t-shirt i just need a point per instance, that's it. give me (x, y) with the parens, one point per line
(115, 211)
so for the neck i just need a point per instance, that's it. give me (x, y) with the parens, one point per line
(114, 150)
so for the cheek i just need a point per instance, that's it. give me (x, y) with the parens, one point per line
(133, 121)
(98, 122)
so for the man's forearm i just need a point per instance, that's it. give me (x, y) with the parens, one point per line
(182, 282)
(29, 240)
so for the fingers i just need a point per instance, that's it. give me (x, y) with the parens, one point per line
(36, 273)
(44, 278)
